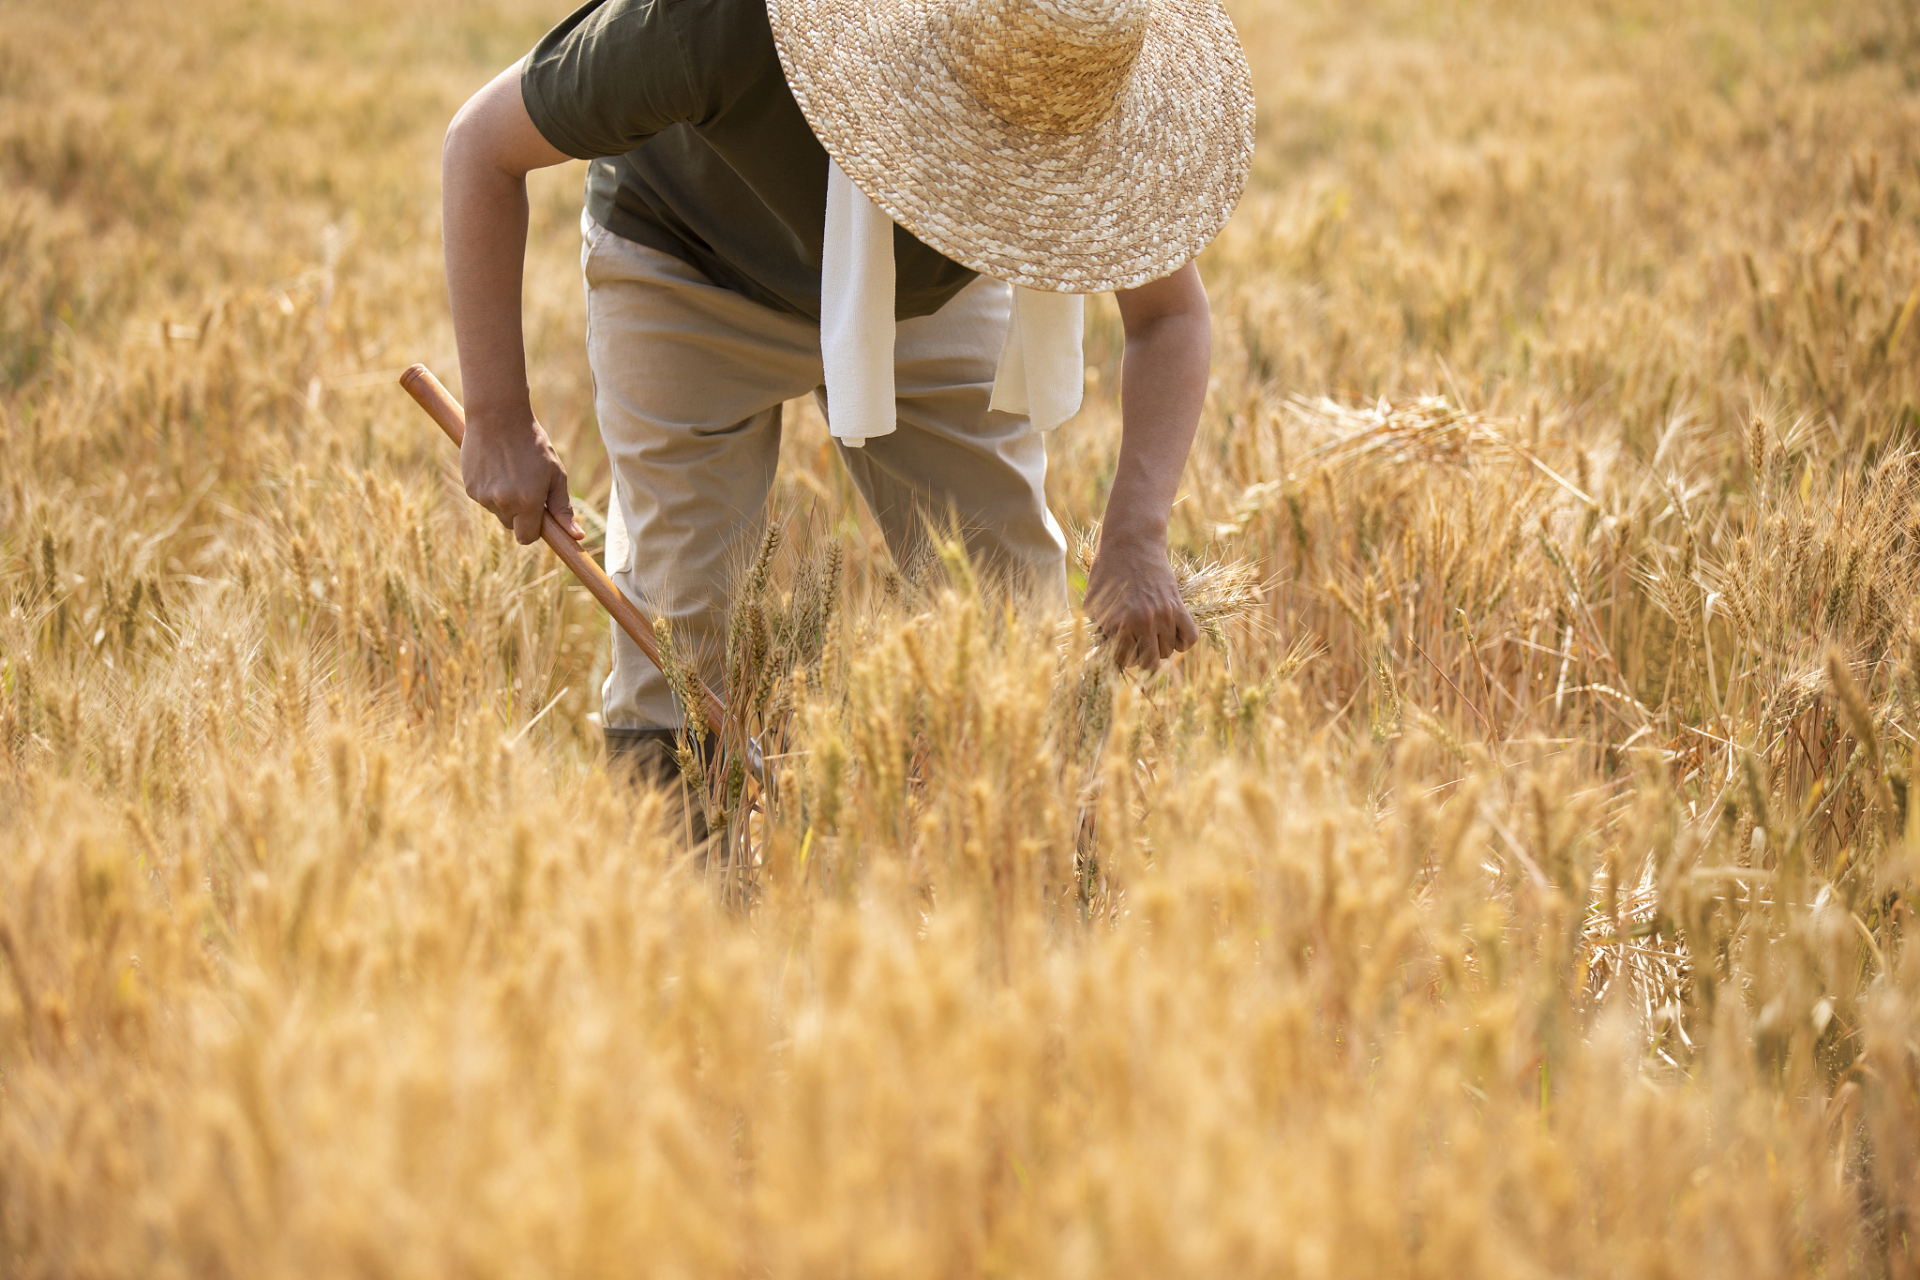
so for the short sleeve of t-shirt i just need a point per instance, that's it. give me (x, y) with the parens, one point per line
(607, 78)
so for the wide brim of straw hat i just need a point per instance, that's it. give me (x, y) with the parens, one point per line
(1129, 201)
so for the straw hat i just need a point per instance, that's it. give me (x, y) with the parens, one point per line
(1068, 145)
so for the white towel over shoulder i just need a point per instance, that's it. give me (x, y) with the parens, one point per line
(1041, 370)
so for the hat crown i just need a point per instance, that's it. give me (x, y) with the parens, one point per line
(1052, 66)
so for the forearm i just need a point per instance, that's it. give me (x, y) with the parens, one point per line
(491, 146)
(1131, 590)
(485, 225)
(509, 465)
(1163, 383)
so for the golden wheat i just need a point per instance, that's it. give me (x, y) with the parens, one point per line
(1517, 880)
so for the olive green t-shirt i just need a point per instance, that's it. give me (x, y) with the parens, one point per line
(699, 149)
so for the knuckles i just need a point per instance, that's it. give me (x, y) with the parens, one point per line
(503, 498)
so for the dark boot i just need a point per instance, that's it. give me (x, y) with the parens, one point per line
(650, 758)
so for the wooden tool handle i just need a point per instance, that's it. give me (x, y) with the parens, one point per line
(445, 410)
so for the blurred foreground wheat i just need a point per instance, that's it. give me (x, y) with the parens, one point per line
(1525, 887)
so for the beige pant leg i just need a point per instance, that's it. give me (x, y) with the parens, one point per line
(688, 382)
(953, 458)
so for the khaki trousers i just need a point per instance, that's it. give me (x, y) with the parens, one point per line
(688, 383)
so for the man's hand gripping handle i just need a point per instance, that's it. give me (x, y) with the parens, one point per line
(446, 411)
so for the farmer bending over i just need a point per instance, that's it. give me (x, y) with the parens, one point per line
(892, 204)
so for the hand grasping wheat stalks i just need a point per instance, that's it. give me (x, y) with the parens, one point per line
(1215, 592)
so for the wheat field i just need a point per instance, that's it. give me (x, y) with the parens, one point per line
(1519, 880)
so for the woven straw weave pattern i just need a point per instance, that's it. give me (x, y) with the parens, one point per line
(978, 165)
(1038, 68)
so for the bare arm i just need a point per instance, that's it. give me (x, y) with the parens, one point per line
(1163, 382)
(508, 463)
